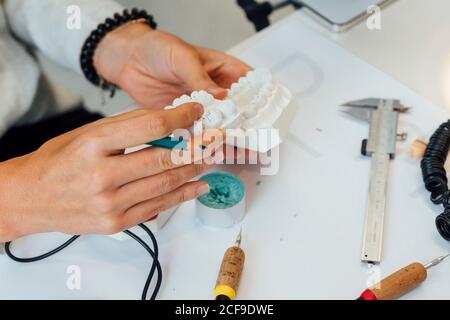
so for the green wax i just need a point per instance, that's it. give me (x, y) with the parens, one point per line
(226, 190)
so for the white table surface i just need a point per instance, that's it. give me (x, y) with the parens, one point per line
(303, 229)
(412, 45)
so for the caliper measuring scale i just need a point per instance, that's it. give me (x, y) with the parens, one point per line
(382, 115)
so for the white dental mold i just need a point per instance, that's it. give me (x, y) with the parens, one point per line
(255, 102)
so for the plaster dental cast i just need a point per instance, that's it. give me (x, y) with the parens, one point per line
(62, 168)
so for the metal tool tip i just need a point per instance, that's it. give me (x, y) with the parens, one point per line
(239, 238)
(404, 109)
(436, 261)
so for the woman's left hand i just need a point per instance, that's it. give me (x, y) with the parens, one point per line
(155, 67)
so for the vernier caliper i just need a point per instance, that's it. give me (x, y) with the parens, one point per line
(383, 117)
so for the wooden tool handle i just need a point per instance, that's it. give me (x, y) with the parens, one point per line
(417, 149)
(231, 268)
(400, 282)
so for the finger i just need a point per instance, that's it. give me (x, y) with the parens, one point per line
(124, 116)
(143, 163)
(224, 69)
(94, 126)
(215, 146)
(228, 74)
(147, 210)
(157, 185)
(197, 78)
(151, 161)
(124, 132)
(219, 58)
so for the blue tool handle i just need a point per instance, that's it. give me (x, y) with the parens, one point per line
(170, 143)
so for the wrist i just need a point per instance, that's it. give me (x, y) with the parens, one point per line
(10, 216)
(116, 50)
(103, 30)
(22, 208)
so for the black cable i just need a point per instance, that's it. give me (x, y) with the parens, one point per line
(41, 257)
(153, 253)
(435, 175)
(155, 264)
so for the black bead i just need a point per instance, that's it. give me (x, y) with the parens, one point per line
(86, 60)
(135, 11)
(110, 24)
(118, 18)
(134, 16)
(86, 71)
(152, 23)
(85, 52)
(92, 75)
(94, 33)
(101, 29)
(89, 51)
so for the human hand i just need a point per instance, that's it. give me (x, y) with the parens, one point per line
(82, 183)
(155, 67)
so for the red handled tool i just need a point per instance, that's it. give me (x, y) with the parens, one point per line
(400, 282)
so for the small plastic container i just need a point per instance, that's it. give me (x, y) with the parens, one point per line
(224, 205)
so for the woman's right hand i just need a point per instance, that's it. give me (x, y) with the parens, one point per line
(82, 182)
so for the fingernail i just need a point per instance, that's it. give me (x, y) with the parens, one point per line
(217, 92)
(203, 189)
(199, 110)
(152, 218)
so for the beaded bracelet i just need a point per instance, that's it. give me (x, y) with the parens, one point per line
(91, 43)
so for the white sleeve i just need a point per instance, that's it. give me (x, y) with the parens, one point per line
(51, 25)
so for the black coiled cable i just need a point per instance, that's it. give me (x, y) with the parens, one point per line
(435, 176)
(156, 266)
